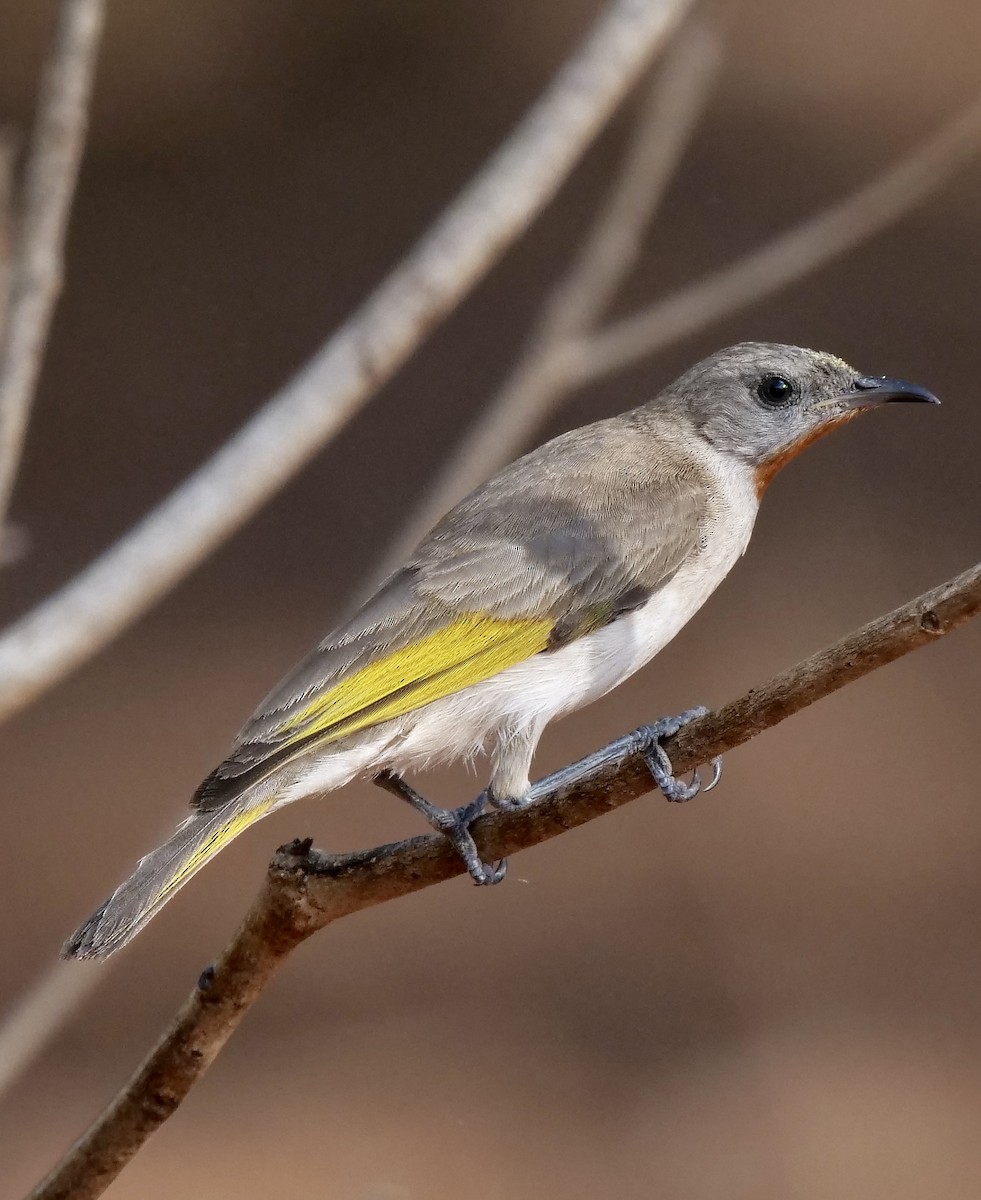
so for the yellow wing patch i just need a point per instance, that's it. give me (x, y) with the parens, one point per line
(472, 648)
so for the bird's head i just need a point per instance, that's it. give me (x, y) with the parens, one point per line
(764, 403)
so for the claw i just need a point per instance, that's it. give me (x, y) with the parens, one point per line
(491, 875)
(716, 773)
(650, 737)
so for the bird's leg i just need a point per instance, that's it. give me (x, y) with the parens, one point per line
(454, 823)
(510, 787)
(648, 741)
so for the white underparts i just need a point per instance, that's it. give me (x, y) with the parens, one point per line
(507, 713)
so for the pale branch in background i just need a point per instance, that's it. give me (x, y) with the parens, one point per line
(62, 632)
(496, 207)
(55, 994)
(784, 260)
(306, 890)
(41, 221)
(491, 212)
(664, 127)
(33, 225)
(556, 362)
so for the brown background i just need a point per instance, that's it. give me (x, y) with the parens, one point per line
(773, 992)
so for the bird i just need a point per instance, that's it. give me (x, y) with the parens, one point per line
(541, 591)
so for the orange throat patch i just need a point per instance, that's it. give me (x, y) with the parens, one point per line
(767, 471)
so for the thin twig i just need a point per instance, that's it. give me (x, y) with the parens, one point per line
(663, 130)
(306, 890)
(786, 259)
(493, 210)
(53, 158)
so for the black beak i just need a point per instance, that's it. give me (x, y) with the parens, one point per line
(876, 389)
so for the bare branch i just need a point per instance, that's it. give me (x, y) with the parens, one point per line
(27, 1028)
(491, 212)
(664, 127)
(306, 890)
(787, 258)
(53, 157)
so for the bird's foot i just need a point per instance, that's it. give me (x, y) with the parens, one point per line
(453, 823)
(648, 741)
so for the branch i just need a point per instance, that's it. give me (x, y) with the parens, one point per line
(53, 159)
(664, 128)
(306, 890)
(492, 211)
(785, 259)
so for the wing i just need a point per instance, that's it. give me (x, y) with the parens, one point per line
(541, 555)
(395, 656)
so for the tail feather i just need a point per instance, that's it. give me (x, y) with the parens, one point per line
(159, 876)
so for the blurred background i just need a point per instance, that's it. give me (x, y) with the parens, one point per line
(773, 992)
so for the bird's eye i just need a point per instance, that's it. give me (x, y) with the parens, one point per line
(774, 389)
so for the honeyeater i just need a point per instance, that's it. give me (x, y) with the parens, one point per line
(542, 590)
